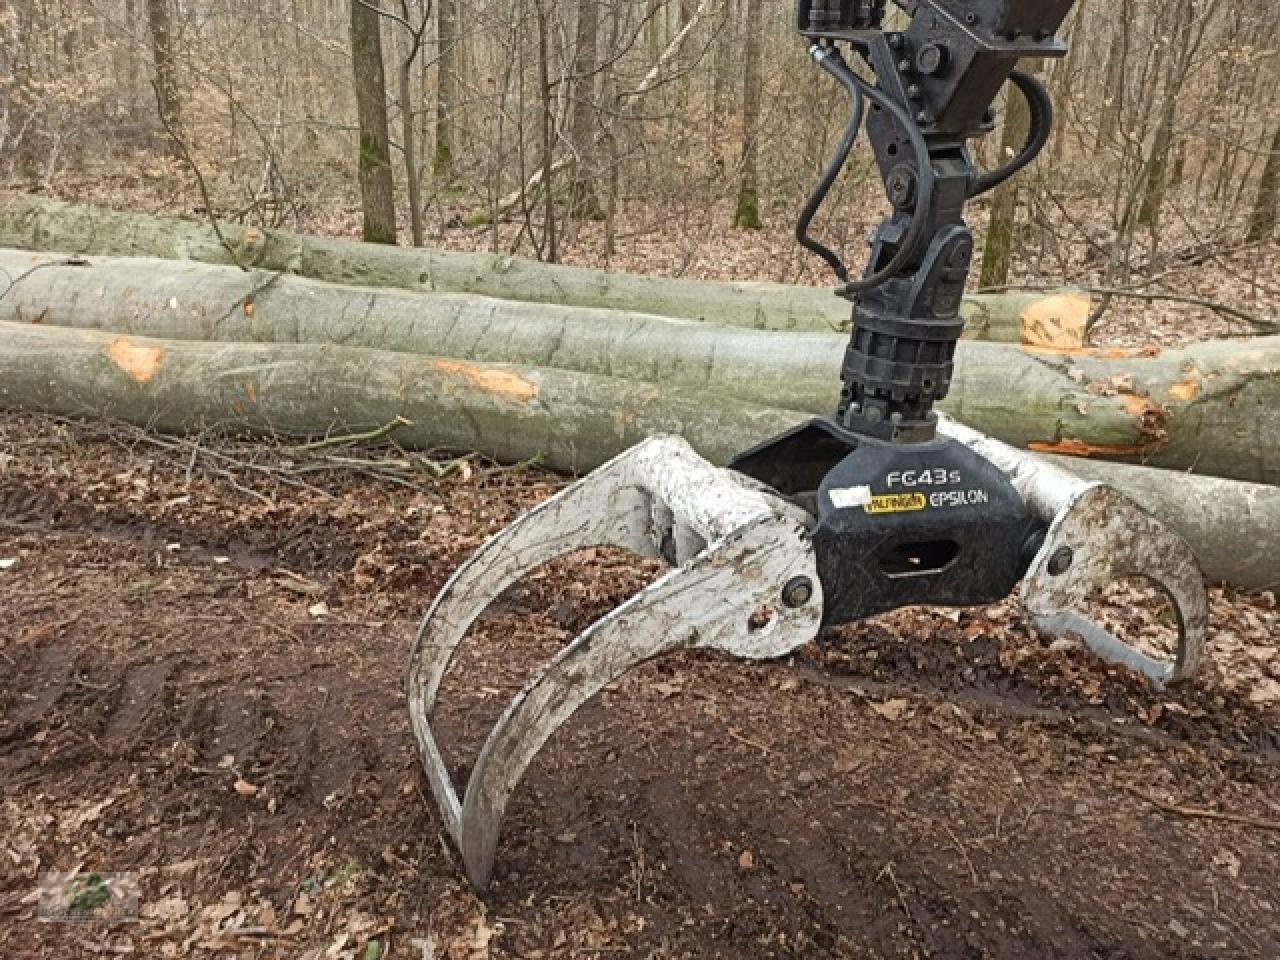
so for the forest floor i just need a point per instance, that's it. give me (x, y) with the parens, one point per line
(203, 648)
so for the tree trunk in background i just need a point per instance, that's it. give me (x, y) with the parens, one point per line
(653, 28)
(721, 81)
(409, 148)
(1178, 171)
(1061, 82)
(549, 250)
(168, 100)
(584, 201)
(746, 214)
(1157, 172)
(1112, 107)
(13, 109)
(377, 188)
(446, 89)
(997, 253)
(1177, 69)
(127, 54)
(1262, 222)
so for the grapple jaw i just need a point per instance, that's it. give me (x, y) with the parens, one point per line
(1097, 536)
(744, 583)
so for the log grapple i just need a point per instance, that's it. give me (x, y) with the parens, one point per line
(883, 505)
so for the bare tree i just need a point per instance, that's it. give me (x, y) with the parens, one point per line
(448, 39)
(377, 186)
(542, 9)
(746, 214)
(168, 100)
(412, 37)
(1262, 221)
(583, 199)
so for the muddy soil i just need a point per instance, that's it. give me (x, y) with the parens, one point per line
(201, 662)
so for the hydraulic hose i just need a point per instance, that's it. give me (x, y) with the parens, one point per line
(1040, 105)
(926, 180)
(822, 56)
(859, 90)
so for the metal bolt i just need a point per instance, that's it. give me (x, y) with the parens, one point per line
(913, 91)
(901, 188)
(1061, 561)
(797, 592)
(932, 58)
(904, 66)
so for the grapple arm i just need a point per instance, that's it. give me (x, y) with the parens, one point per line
(744, 584)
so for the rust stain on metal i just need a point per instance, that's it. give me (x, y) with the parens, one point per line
(502, 383)
(251, 391)
(1058, 321)
(141, 364)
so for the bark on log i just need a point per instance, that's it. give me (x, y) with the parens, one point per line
(512, 413)
(38, 223)
(1212, 408)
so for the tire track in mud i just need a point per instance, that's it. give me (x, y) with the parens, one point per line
(35, 691)
(143, 706)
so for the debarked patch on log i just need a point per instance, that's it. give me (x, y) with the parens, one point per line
(1152, 417)
(1058, 321)
(502, 383)
(139, 363)
(1073, 447)
(1097, 353)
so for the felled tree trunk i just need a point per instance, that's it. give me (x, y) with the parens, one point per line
(36, 223)
(512, 413)
(1211, 408)
(572, 421)
(1233, 527)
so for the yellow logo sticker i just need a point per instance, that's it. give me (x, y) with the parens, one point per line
(897, 503)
